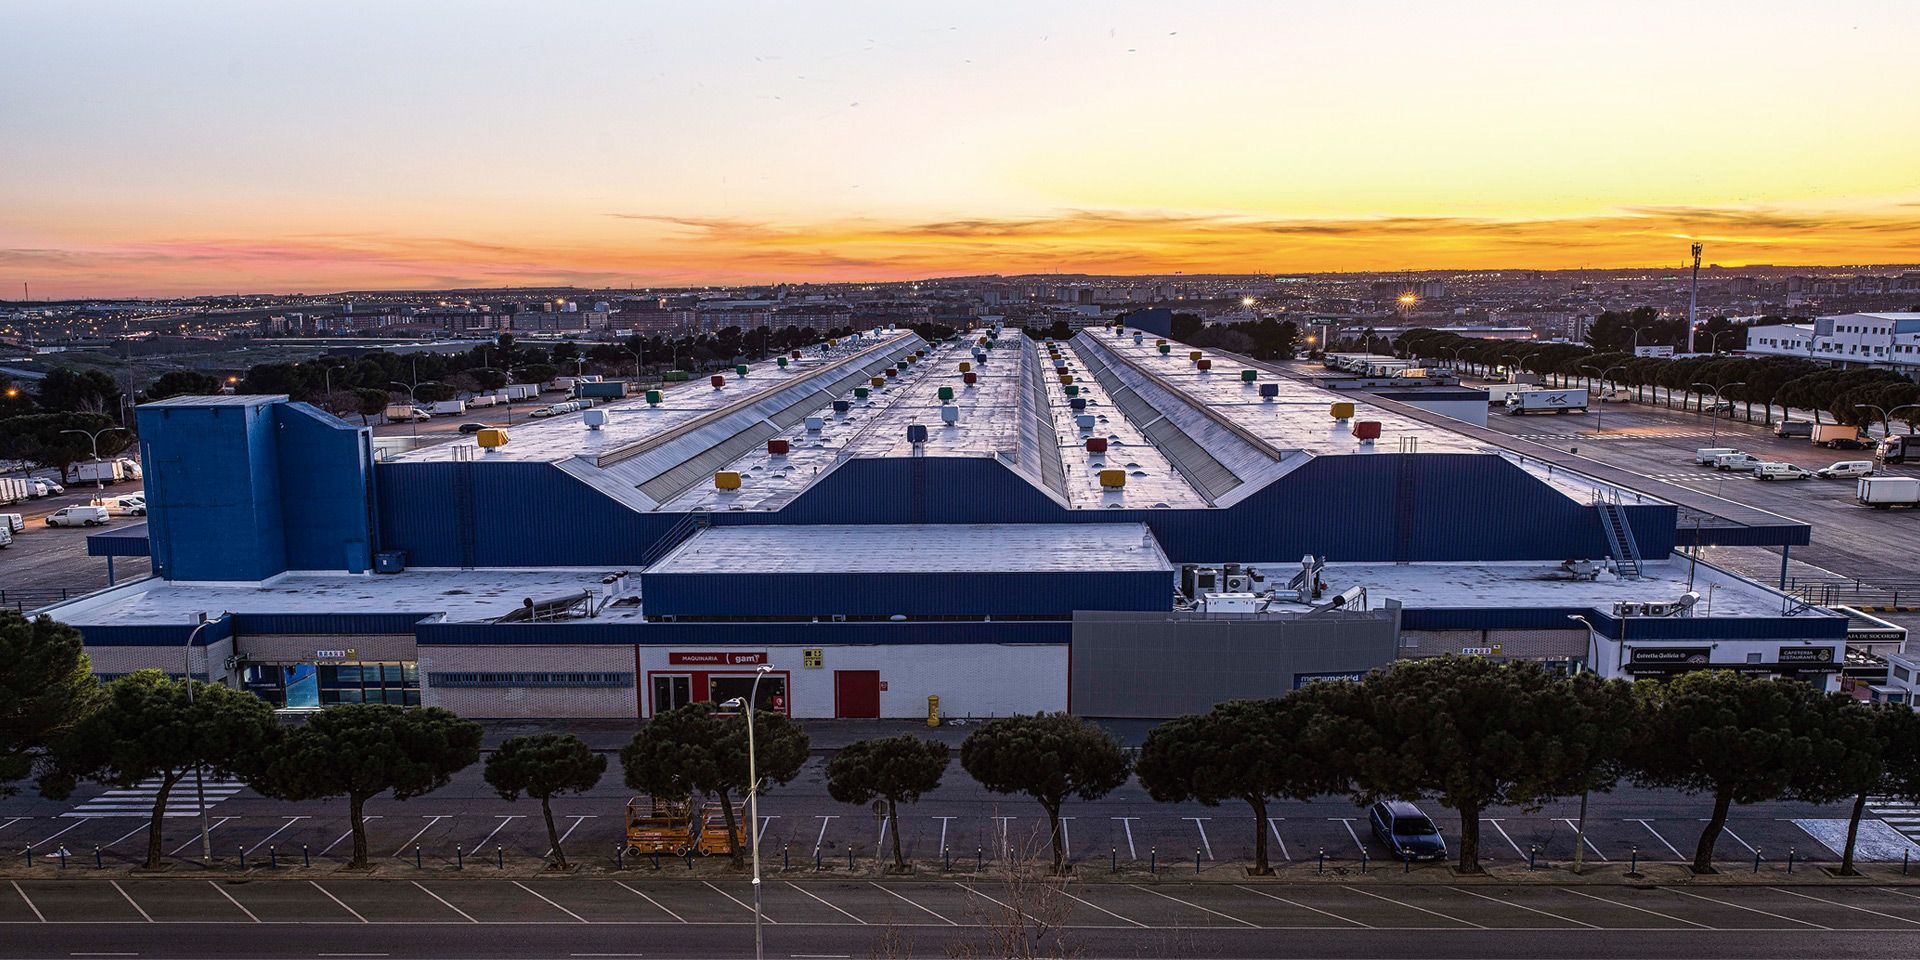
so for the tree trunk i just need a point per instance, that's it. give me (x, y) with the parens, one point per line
(553, 834)
(156, 822)
(1059, 842)
(893, 827)
(1703, 854)
(733, 829)
(1260, 865)
(1469, 838)
(1853, 833)
(1580, 835)
(356, 815)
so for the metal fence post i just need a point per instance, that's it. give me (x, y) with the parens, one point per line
(29, 856)
(1533, 850)
(1153, 861)
(1633, 864)
(243, 857)
(849, 857)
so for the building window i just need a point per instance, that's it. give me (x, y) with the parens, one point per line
(395, 683)
(461, 679)
(1902, 673)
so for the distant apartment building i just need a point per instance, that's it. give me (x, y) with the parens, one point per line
(1848, 339)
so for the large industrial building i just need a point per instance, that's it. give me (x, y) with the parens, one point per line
(1115, 525)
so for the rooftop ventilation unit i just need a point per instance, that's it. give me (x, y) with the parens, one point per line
(950, 414)
(594, 419)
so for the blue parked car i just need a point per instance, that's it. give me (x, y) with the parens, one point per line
(1410, 834)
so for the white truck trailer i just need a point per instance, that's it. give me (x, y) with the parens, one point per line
(15, 490)
(1881, 493)
(1547, 401)
(404, 412)
(447, 408)
(99, 471)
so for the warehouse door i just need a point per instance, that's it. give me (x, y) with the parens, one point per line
(856, 694)
(670, 691)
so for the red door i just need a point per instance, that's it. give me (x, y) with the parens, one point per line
(856, 693)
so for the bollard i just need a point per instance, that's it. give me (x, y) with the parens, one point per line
(416, 856)
(96, 857)
(1153, 861)
(500, 856)
(1363, 860)
(1196, 861)
(1756, 860)
(63, 856)
(29, 856)
(243, 858)
(1322, 867)
(1113, 859)
(849, 858)
(816, 860)
(785, 849)
(306, 858)
(1903, 863)
(979, 859)
(1789, 859)
(1633, 865)
(1532, 851)
(1406, 861)
(273, 857)
(460, 857)
(656, 860)
(946, 854)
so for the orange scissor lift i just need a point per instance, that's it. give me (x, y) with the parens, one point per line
(657, 825)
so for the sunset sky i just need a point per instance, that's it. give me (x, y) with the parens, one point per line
(166, 148)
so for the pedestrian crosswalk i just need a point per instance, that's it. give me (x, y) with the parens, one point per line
(137, 801)
(1901, 815)
(1622, 435)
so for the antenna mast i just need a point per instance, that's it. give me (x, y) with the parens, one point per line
(1693, 297)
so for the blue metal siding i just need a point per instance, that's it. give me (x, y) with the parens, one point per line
(153, 634)
(328, 624)
(911, 594)
(516, 515)
(326, 488)
(1720, 628)
(124, 542)
(696, 635)
(212, 492)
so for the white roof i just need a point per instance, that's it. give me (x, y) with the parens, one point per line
(919, 548)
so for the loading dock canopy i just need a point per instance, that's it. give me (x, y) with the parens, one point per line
(1045, 570)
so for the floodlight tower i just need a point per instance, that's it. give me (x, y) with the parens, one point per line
(1693, 297)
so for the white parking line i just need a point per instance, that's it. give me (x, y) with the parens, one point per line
(1066, 836)
(1293, 903)
(1006, 835)
(1629, 906)
(1104, 910)
(1016, 911)
(1656, 835)
(824, 819)
(217, 824)
(810, 893)
(422, 832)
(943, 832)
(881, 840)
(735, 899)
(1576, 832)
(1403, 903)
(504, 820)
(1764, 913)
(896, 896)
(56, 835)
(283, 827)
(124, 836)
(1348, 823)
(569, 831)
(1200, 825)
(13, 821)
(1126, 823)
(1503, 835)
(29, 900)
(1224, 916)
(1849, 906)
(343, 905)
(349, 833)
(549, 901)
(444, 903)
(1272, 823)
(1509, 903)
(766, 820)
(230, 899)
(656, 903)
(1736, 838)
(131, 902)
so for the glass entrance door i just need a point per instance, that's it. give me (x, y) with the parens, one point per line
(672, 691)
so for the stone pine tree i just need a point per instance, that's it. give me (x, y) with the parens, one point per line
(698, 749)
(895, 769)
(542, 766)
(1049, 757)
(1879, 755)
(362, 750)
(1250, 750)
(146, 730)
(1472, 732)
(46, 687)
(1739, 738)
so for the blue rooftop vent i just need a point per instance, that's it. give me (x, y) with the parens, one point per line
(1269, 390)
(1078, 403)
(916, 433)
(842, 406)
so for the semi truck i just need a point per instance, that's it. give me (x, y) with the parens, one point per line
(1881, 493)
(1497, 393)
(1547, 401)
(1898, 448)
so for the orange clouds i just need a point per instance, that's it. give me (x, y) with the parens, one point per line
(661, 249)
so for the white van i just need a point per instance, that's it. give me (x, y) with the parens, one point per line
(1844, 470)
(1705, 456)
(131, 506)
(1781, 471)
(78, 516)
(1737, 462)
(13, 522)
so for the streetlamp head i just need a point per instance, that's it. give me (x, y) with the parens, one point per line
(737, 703)
(764, 668)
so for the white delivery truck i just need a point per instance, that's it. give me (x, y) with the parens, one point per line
(482, 400)
(130, 468)
(99, 471)
(16, 490)
(404, 412)
(1883, 492)
(447, 408)
(521, 391)
(1497, 393)
(1547, 401)
(1838, 436)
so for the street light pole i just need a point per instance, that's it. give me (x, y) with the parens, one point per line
(93, 438)
(199, 783)
(1715, 415)
(753, 804)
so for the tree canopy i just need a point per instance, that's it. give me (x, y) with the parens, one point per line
(895, 769)
(542, 766)
(698, 749)
(46, 688)
(1049, 757)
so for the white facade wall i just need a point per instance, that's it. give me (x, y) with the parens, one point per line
(532, 702)
(971, 680)
(1852, 338)
(1613, 658)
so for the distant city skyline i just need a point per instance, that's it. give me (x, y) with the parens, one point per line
(228, 147)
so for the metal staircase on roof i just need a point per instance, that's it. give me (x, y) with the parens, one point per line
(676, 535)
(1619, 533)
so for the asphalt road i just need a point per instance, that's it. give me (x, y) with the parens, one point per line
(43, 561)
(641, 917)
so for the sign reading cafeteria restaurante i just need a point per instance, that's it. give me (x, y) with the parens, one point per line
(716, 659)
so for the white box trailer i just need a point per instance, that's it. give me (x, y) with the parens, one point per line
(15, 490)
(447, 407)
(404, 412)
(99, 471)
(1883, 492)
(482, 400)
(521, 391)
(1497, 393)
(1547, 401)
